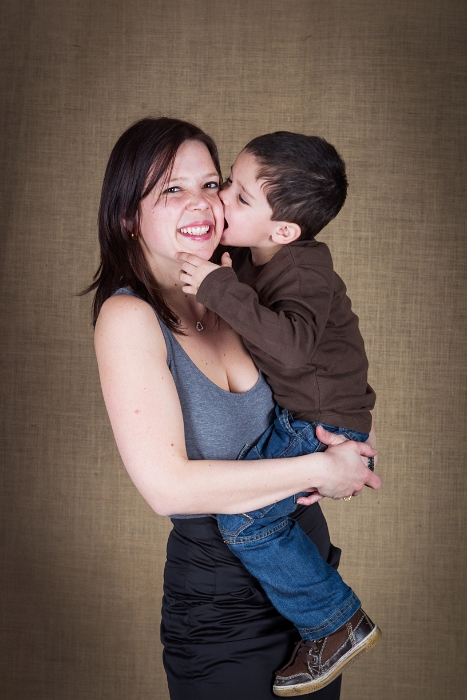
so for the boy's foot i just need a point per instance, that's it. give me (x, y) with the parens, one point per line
(315, 664)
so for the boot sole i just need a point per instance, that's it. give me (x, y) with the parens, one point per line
(351, 656)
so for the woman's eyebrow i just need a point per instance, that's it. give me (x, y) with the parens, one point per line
(214, 173)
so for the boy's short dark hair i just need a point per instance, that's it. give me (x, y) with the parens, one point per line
(305, 179)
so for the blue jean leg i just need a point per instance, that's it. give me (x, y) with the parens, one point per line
(298, 582)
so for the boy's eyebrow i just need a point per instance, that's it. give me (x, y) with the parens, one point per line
(242, 186)
(246, 192)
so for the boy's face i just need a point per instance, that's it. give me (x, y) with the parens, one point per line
(247, 211)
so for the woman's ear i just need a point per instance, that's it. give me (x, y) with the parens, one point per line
(286, 232)
(131, 226)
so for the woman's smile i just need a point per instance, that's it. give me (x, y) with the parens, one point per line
(198, 230)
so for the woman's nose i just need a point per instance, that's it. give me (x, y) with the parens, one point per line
(198, 200)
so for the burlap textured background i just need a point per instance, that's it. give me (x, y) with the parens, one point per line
(385, 82)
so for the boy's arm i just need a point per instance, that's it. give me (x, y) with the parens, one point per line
(289, 328)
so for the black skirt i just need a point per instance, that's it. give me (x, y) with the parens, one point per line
(222, 638)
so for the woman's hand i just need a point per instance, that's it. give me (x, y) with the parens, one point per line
(347, 471)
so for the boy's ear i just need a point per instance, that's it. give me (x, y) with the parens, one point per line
(285, 232)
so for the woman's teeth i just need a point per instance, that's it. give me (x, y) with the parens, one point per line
(195, 230)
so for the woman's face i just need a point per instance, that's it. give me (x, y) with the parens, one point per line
(187, 214)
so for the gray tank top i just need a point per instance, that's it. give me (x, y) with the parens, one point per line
(218, 423)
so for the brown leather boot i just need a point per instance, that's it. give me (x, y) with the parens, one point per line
(315, 664)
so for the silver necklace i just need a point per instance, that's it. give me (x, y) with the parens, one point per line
(198, 324)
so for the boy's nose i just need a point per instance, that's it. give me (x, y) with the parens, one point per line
(223, 196)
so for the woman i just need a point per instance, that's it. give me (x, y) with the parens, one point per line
(183, 398)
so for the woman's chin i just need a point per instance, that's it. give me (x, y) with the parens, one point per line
(203, 249)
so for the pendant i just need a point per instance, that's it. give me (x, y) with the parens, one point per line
(199, 326)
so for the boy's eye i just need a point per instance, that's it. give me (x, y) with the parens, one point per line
(241, 200)
(211, 185)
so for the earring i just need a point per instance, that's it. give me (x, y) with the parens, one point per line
(134, 235)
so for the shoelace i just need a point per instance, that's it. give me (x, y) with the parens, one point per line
(302, 650)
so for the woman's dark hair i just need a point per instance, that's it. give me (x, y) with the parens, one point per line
(305, 180)
(142, 157)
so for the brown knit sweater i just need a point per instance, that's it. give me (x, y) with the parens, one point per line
(296, 321)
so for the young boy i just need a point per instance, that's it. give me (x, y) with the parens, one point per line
(280, 293)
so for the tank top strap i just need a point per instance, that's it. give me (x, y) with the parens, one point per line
(170, 341)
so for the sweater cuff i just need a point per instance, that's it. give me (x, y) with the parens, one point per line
(211, 281)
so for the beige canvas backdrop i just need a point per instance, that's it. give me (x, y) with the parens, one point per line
(385, 82)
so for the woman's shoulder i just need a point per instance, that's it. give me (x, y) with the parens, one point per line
(129, 320)
(125, 307)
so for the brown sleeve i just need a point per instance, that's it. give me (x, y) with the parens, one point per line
(286, 316)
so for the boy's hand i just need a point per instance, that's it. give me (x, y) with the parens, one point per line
(195, 269)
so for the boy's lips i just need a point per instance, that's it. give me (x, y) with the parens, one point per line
(226, 226)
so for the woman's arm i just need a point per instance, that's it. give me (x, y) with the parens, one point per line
(147, 422)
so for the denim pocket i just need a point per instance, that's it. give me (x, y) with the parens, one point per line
(346, 432)
(258, 520)
(234, 525)
(354, 435)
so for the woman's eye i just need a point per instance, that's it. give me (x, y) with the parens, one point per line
(212, 185)
(171, 190)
